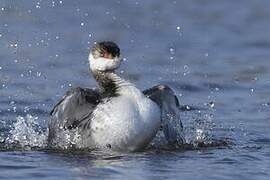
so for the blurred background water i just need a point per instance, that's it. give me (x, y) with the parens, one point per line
(215, 54)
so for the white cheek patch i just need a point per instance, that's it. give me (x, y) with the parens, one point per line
(103, 64)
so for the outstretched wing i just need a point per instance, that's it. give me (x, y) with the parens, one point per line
(76, 107)
(168, 102)
(155, 94)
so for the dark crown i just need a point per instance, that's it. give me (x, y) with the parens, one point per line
(108, 47)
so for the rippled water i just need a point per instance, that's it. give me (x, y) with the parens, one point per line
(215, 54)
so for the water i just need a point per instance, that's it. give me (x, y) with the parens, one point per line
(215, 54)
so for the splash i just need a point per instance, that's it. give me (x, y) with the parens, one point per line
(198, 132)
(201, 131)
(27, 133)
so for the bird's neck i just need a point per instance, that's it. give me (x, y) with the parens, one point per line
(110, 83)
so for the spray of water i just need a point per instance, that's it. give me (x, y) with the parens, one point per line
(27, 133)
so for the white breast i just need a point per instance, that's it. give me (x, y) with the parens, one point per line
(127, 122)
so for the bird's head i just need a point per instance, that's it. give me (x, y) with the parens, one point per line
(104, 56)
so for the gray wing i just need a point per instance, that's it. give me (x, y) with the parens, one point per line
(168, 102)
(157, 93)
(77, 104)
(73, 110)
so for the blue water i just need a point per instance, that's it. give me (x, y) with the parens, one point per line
(215, 54)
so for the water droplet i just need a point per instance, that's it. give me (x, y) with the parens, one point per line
(14, 45)
(14, 109)
(172, 50)
(252, 90)
(82, 24)
(0, 68)
(186, 70)
(212, 104)
(127, 26)
(38, 74)
(2, 8)
(206, 54)
(0, 35)
(61, 2)
(69, 85)
(178, 28)
(12, 102)
(38, 5)
(56, 37)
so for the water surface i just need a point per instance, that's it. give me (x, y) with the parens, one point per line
(215, 55)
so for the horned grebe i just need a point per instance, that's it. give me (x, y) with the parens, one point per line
(117, 115)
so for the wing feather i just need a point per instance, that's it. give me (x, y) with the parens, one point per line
(75, 107)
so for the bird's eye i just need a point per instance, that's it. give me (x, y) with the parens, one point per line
(108, 56)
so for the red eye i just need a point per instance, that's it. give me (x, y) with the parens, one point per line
(107, 55)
